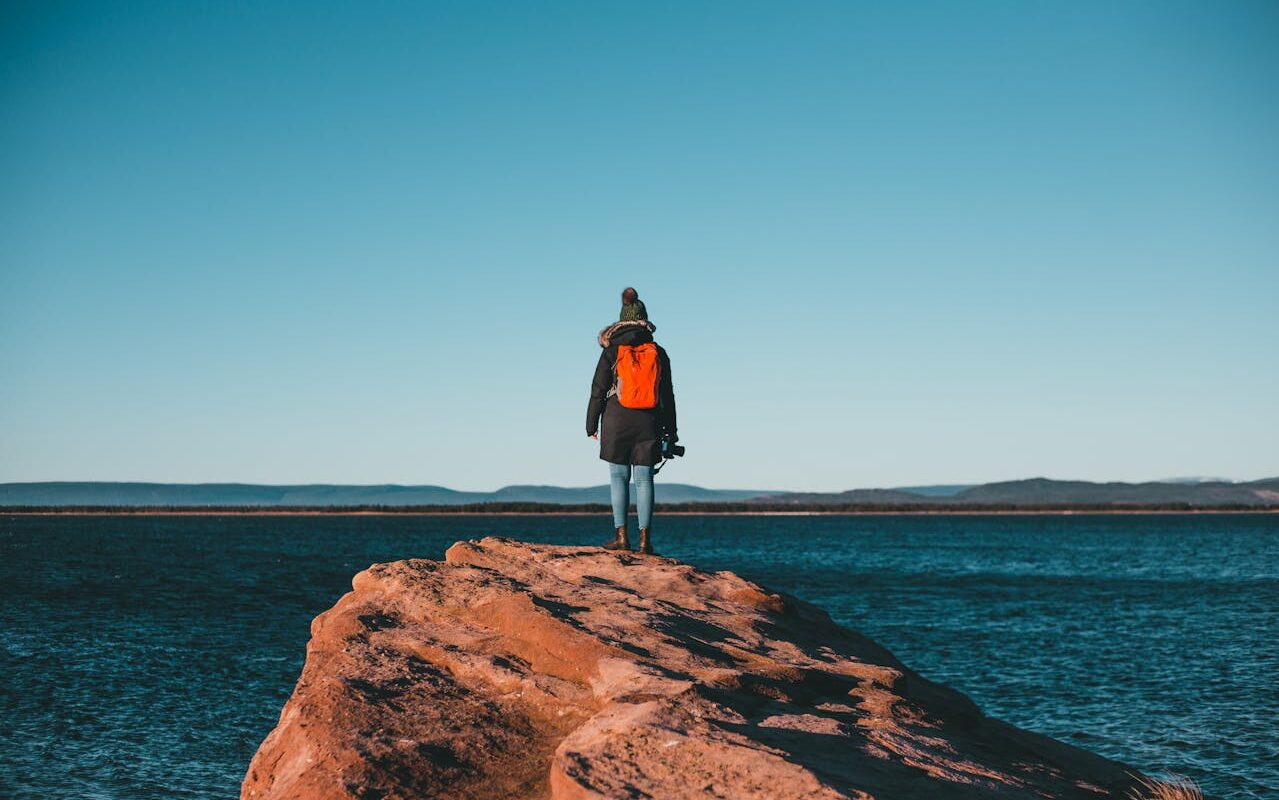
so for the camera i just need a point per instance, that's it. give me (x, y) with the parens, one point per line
(671, 450)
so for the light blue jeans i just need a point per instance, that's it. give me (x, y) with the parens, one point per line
(619, 479)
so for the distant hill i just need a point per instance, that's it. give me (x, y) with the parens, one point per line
(670, 493)
(1031, 492)
(1194, 479)
(92, 493)
(1047, 492)
(941, 490)
(859, 497)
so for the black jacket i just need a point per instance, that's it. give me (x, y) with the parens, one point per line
(630, 435)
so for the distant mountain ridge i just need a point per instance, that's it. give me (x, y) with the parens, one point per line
(94, 493)
(1030, 492)
(1048, 492)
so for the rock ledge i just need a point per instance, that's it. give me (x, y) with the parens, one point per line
(515, 670)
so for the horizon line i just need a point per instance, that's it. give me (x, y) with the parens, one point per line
(1189, 480)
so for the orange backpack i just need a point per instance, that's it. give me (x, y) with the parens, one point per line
(638, 371)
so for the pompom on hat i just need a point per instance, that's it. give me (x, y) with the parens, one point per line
(632, 307)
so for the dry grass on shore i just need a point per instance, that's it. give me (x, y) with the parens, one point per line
(1172, 787)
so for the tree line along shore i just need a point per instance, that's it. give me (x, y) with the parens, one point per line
(550, 509)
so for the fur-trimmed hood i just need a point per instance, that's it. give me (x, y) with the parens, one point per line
(606, 335)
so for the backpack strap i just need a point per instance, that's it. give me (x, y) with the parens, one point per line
(612, 390)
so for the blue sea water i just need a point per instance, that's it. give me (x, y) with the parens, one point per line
(147, 657)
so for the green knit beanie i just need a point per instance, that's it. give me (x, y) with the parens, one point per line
(634, 310)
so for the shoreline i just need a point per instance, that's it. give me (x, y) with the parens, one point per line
(231, 512)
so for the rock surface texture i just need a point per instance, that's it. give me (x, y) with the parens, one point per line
(515, 670)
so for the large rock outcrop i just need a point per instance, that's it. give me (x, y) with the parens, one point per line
(515, 670)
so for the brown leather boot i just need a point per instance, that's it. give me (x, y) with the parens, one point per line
(620, 542)
(646, 544)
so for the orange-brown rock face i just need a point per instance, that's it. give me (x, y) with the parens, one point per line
(515, 670)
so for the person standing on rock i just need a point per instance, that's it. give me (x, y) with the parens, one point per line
(633, 396)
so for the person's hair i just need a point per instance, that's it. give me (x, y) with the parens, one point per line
(629, 295)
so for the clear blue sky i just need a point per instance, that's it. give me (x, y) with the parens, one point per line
(884, 244)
